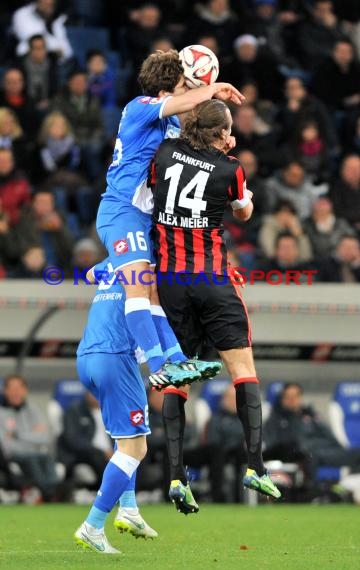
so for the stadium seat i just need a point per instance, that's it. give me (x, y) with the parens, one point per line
(326, 473)
(344, 413)
(208, 402)
(83, 39)
(65, 393)
(111, 118)
(272, 391)
(88, 12)
(212, 392)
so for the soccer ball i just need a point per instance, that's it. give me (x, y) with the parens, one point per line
(201, 66)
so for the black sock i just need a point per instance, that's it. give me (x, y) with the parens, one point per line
(248, 405)
(174, 425)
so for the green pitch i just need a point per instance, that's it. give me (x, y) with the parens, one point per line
(219, 537)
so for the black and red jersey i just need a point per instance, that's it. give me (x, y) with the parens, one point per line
(191, 190)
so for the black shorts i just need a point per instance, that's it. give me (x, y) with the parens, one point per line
(201, 312)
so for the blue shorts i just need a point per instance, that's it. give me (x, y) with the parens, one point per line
(116, 382)
(125, 232)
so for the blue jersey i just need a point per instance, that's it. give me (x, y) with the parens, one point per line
(106, 330)
(141, 130)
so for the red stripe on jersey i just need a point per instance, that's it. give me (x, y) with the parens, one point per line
(180, 254)
(152, 174)
(163, 248)
(240, 183)
(237, 291)
(216, 251)
(198, 249)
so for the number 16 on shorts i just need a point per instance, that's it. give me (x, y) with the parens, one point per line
(136, 246)
(134, 241)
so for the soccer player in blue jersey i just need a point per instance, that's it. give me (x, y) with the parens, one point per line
(108, 368)
(124, 216)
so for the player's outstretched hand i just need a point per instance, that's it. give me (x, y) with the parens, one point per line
(227, 92)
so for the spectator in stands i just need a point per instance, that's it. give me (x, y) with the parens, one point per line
(13, 95)
(101, 79)
(286, 258)
(9, 246)
(86, 254)
(268, 27)
(39, 67)
(249, 134)
(351, 137)
(345, 192)
(57, 158)
(295, 432)
(324, 230)
(291, 184)
(344, 265)
(251, 63)
(310, 148)
(83, 112)
(145, 27)
(41, 17)
(210, 41)
(225, 431)
(300, 106)
(12, 136)
(197, 454)
(243, 235)
(32, 263)
(83, 439)
(341, 71)
(283, 220)
(15, 189)
(43, 226)
(25, 436)
(265, 109)
(162, 44)
(318, 34)
(215, 17)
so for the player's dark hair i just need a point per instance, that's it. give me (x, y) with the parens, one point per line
(161, 71)
(204, 125)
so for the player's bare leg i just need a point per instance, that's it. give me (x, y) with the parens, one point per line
(240, 365)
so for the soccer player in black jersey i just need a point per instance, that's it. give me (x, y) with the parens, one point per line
(193, 180)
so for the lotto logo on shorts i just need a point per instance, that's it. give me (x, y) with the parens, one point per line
(121, 246)
(137, 417)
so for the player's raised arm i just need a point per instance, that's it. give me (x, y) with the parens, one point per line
(189, 100)
(240, 197)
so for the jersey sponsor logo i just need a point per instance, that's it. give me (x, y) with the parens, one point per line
(172, 132)
(121, 246)
(150, 100)
(137, 417)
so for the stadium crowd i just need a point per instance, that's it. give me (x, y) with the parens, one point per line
(59, 454)
(68, 68)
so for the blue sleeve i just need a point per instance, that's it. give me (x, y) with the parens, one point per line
(148, 110)
(101, 269)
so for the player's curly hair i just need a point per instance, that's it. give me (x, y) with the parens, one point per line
(204, 125)
(161, 71)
